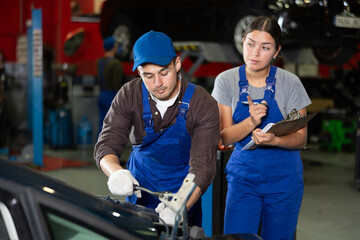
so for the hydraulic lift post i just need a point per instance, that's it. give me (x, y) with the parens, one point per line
(35, 84)
(357, 154)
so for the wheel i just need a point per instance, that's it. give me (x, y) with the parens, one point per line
(239, 29)
(121, 29)
(334, 55)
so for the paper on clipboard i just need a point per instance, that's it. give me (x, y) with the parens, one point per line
(251, 144)
(282, 128)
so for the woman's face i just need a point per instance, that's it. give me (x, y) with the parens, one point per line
(259, 50)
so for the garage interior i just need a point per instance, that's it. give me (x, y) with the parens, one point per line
(331, 204)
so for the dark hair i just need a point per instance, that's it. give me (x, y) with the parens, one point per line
(265, 24)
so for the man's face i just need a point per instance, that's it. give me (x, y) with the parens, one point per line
(161, 81)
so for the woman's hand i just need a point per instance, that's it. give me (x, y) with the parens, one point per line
(257, 111)
(261, 138)
(296, 140)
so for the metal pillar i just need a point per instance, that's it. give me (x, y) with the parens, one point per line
(35, 61)
(207, 213)
(29, 75)
(357, 155)
(213, 201)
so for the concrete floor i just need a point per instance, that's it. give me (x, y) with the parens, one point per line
(331, 203)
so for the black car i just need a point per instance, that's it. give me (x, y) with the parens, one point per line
(331, 27)
(35, 206)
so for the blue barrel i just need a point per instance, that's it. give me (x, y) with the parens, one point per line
(84, 132)
(60, 128)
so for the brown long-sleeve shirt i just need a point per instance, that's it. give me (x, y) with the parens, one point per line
(125, 120)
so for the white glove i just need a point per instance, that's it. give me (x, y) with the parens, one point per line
(166, 214)
(122, 183)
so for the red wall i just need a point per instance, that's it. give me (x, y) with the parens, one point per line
(87, 6)
(56, 20)
(9, 28)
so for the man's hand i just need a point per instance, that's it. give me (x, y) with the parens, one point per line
(166, 214)
(122, 183)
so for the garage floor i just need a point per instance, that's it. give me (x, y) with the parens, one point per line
(330, 208)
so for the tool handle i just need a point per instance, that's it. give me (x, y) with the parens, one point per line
(156, 194)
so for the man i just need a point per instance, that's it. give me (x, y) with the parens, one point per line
(173, 127)
(110, 77)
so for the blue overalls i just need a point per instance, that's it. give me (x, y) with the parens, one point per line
(161, 162)
(265, 185)
(106, 95)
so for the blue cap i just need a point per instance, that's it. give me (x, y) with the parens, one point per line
(153, 47)
(109, 43)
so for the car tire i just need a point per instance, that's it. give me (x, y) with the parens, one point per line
(239, 29)
(121, 29)
(334, 55)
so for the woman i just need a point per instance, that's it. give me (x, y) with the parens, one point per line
(265, 185)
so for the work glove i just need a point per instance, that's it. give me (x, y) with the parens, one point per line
(166, 214)
(122, 183)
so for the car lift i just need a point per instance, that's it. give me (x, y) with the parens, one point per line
(205, 52)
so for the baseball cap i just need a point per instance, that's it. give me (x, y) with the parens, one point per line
(109, 43)
(153, 47)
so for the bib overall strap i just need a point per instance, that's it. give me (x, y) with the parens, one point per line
(147, 116)
(243, 84)
(184, 106)
(102, 64)
(270, 84)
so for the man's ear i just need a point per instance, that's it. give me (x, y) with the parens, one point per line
(177, 64)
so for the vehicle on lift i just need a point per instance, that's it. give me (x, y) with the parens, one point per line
(330, 27)
(35, 206)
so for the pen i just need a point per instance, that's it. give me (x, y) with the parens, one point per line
(255, 103)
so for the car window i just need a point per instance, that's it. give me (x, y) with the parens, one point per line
(7, 226)
(62, 228)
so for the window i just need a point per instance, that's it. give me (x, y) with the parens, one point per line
(62, 229)
(85, 10)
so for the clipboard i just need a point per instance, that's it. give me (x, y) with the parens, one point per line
(282, 128)
(286, 127)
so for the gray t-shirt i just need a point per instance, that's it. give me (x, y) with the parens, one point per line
(289, 91)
